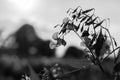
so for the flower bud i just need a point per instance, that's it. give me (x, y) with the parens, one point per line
(55, 35)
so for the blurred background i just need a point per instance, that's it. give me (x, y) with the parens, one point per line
(26, 27)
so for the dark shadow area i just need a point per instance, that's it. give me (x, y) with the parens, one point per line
(29, 43)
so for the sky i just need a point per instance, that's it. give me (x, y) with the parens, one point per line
(45, 14)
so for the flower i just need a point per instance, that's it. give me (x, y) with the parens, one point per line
(55, 35)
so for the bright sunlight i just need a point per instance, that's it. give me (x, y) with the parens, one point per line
(24, 5)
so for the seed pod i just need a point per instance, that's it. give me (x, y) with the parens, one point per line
(86, 11)
(115, 42)
(76, 9)
(82, 28)
(79, 14)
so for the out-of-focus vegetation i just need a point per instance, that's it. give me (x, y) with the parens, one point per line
(20, 49)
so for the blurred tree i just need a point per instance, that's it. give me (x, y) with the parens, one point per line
(30, 44)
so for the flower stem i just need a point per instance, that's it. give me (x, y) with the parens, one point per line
(98, 62)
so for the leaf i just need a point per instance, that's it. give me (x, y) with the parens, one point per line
(98, 24)
(99, 44)
(86, 11)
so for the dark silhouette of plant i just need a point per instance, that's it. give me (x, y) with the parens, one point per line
(94, 33)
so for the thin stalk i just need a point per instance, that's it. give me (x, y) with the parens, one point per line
(110, 54)
(75, 70)
(100, 66)
(111, 41)
(98, 62)
(72, 71)
(84, 43)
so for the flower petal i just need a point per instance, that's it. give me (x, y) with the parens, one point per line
(55, 35)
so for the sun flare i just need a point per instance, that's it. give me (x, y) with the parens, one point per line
(23, 5)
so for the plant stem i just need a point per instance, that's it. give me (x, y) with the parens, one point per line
(84, 43)
(98, 62)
